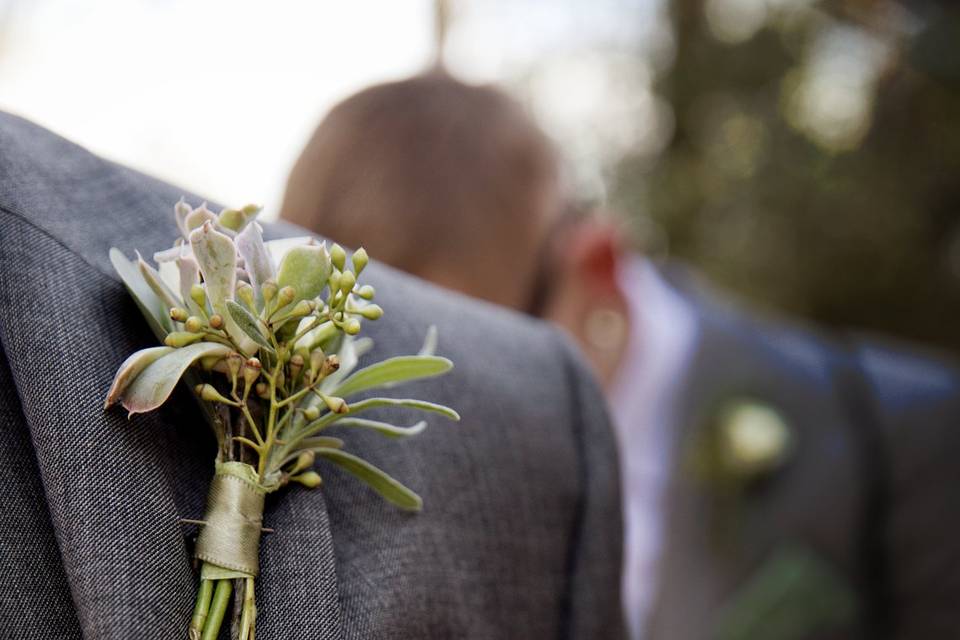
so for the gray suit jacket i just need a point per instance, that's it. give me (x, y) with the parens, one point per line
(857, 533)
(520, 535)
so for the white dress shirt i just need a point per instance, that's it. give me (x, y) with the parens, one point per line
(663, 330)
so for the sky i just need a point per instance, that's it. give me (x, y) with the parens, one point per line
(219, 96)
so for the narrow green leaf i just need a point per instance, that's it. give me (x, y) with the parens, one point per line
(422, 405)
(130, 369)
(153, 385)
(150, 275)
(384, 428)
(321, 441)
(429, 347)
(147, 301)
(248, 324)
(393, 371)
(377, 479)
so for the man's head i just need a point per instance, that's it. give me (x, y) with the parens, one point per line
(448, 181)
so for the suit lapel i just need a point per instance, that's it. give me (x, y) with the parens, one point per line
(716, 541)
(117, 488)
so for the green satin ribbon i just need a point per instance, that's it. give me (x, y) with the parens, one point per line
(231, 536)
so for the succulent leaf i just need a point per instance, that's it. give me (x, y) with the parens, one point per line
(156, 381)
(254, 253)
(152, 308)
(306, 269)
(130, 369)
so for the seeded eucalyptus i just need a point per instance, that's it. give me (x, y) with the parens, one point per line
(264, 334)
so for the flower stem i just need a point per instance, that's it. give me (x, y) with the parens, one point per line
(249, 615)
(200, 610)
(221, 597)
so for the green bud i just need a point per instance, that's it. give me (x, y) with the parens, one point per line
(310, 479)
(251, 371)
(209, 362)
(180, 338)
(231, 219)
(334, 403)
(178, 314)
(352, 326)
(311, 413)
(304, 461)
(302, 308)
(338, 256)
(366, 292)
(347, 281)
(286, 295)
(371, 312)
(209, 393)
(269, 290)
(234, 362)
(199, 295)
(360, 260)
(263, 390)
(316, 363)
(330, 364)
(193, 324)
(245, 294)
(334, 282)
(216, 321)
(296, 366)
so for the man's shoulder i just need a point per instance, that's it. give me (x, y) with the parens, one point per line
(522, 518)
(900, 373)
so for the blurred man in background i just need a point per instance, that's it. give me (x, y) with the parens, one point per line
(778, 483)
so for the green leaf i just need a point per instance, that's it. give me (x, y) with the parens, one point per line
(306, 269)
(422, 405)
(217, 258)
(255, 257)
(248, 324)
(384, 428)
(393, 371)
(130, 369)
(150, 275)
(377, 479)
(153, 385)
(189, 276)
(325, 442)
(429, 347)
(147, 301)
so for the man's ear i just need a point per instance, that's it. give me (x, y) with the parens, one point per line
(594, 254)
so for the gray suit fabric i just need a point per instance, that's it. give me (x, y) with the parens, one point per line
(520, 535)
(872, 486)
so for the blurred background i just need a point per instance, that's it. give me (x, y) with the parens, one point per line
(804, 154)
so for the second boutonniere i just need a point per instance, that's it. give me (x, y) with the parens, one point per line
(265, 336)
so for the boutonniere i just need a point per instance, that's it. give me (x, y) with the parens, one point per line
(744, 441)
(265, 335)
(741, 444)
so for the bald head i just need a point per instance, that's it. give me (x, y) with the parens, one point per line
(448, 181)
